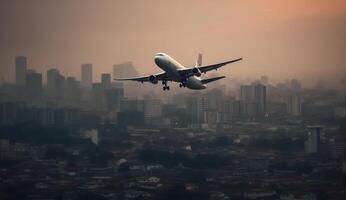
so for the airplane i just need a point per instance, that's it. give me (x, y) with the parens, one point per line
(175, 72)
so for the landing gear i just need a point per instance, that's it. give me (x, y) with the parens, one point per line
(165, 86)
(183, 82)
(182, 85)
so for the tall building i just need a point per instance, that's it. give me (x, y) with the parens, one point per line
(106, 81)
(231, 110)
(253, 98)
(247, 96)
(124, 70)
(260, 99)
(152, 108)
(313, 143)
(247, 93)
(52, 76)
(127, 70)
(87, 76)
(113, 98)
(21, 66)
(60, 86)
(97, 96)
(72, 87)
(132, 105)
(198, 106)
(34, 83)
(9, 112)
(293, 105)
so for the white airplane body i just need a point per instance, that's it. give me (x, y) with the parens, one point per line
(176, 72)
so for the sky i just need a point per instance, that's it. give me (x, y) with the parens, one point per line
(282, 39)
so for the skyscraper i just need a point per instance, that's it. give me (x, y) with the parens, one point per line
(152, 108)
(127, 70)
(253, 98)
(87, 74)
(260, 99)
(21, 66)
(113, 98)
(312, 144)
(34, 83)
(52, 76)
(247, 96)
(198, 106)
(293, 105)
(72, 87)
(106, 81)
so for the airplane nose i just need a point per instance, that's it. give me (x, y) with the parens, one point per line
(158, 60)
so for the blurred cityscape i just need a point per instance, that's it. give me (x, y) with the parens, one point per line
(64, 138)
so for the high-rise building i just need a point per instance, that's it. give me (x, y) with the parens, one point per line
(131, 104)
(34, 83)
(313, 144)
(253, 98)
(21, 66)
(113, 98)
(260, 99)
(293, 105)
(198, 106)
(87, 73)
(231, 109)
(9, 112)
(72, 87)
(127, 70)
(247, 93)
(152, 108)
(98, 96)
(60, 86)
(106, 81)
(247, 96)
(52, 76)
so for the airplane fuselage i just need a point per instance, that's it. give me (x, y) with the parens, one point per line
(171, 67)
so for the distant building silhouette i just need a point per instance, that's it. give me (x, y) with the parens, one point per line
(197, 105)
(124, 70)
(106, 81)
(33, 83)
(132, 104)
(313, 142)
(261, 99)
(293, 105)
(113, 98)
(72, 89)
(52, 77)
(21, 66)
(152, 108)
(253, 98)
(86, 76)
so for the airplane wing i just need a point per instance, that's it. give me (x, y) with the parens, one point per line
(205, 81)
(206, 68)
(158, 77)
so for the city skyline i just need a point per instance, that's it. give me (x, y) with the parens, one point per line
(285, 39)
(270, 127)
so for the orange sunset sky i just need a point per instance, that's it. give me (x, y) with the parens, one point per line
(283, 39)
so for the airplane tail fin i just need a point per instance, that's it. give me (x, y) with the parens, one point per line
(208, 80)
(199, 60)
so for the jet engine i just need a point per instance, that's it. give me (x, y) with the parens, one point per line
(153, 79)
(196, 72)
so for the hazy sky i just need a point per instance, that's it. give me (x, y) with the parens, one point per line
(278, 38)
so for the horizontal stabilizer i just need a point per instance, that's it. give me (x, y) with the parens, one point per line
(205, 81)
